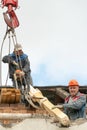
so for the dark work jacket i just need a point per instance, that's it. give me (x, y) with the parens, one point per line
(22, 60)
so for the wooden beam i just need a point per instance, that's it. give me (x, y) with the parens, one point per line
(37, 96)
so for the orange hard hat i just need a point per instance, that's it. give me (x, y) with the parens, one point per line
(73, 83)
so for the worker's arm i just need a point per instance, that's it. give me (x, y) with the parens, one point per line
(76, 104)
(8, 59)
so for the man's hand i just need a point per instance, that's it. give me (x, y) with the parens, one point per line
(58, 106)
(14, 63)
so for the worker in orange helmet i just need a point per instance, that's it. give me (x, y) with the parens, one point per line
(75, 103)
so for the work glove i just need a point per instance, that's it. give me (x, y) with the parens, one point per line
(57, 106)
(14, 63)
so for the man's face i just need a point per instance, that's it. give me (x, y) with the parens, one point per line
(73, 90)
(18, 53)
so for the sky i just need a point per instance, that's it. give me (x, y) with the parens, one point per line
(53, 34)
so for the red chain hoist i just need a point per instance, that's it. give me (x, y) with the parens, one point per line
(10, 16)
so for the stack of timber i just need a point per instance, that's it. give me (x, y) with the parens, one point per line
(10, 95)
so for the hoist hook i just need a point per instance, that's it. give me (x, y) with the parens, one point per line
(10, 16)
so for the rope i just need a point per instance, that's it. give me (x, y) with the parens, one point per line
(22, 70)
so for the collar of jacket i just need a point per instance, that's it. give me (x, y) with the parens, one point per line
(76, 97)
(22, 57)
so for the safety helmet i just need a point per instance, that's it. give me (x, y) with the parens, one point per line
(17, 47)
(73, 82)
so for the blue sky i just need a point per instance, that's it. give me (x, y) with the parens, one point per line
(54, 35)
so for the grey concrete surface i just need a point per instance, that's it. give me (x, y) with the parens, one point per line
(44, 124)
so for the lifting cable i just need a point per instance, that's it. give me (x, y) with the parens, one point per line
(11, 34)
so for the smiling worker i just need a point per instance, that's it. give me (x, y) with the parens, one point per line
(75, 103)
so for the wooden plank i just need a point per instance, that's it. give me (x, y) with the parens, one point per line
(47, 105)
